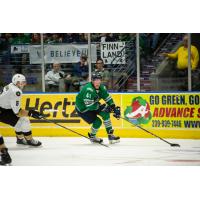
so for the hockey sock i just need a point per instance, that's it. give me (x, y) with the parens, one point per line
(19, 135)
(28, 135)
(108, 125)
(107, 122)
(95, 126)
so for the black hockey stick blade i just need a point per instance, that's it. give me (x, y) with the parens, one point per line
(175, 145)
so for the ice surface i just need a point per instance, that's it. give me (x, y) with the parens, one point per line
(68, 151)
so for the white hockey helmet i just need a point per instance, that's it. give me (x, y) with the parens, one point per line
(18, 78)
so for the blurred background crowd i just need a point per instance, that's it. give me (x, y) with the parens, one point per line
(163, 62)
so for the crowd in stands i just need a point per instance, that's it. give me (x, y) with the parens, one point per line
(78, 76)
(58, 81)
(148, 41)
(8, 39)
(53, 38)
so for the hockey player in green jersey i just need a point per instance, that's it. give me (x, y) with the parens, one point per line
(89, 108)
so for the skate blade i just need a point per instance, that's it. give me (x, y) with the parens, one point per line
(27, 146)
(33, 147)
(2, 164)
(114, 141)
(8, 164)
(22, 145)
(97, 142)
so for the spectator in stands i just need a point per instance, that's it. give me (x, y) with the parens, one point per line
(151, 42)
(154, 41)
(55, 38)
(46, 38)
(81, 68)
(104, 72)
(83, 37)
(126, 37)
(103, 37)
(95, 37)
(5, 42)
(35, 38)
(9, 37)
(71, 38)
(21, 38)
(68, 38)
(106, 37)
(182, 57)
(80, 72)
(114, 36)
(53, 77)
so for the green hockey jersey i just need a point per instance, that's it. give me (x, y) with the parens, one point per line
(88, 98)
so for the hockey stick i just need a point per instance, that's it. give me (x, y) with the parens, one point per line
(171, 144)
(71, 130)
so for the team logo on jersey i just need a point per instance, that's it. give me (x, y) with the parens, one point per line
(138, 112)
(18, 93)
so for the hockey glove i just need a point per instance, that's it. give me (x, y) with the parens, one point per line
(117, 112)
(113, 109)
(35, 114)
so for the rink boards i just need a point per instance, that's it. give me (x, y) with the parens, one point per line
(169, 115)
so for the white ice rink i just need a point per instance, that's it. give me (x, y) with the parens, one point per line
(67, 151)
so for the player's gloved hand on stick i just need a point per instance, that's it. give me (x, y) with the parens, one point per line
(35, 114)
(113, 109)
(117, 112)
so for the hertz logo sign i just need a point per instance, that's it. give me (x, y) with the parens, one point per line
(59, 108)
(54, 107)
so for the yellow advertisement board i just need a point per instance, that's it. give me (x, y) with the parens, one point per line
(175, 115)
(170, 115)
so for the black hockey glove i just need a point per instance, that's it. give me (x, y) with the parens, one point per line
(113, 109)
(117, 112)
(35, 114)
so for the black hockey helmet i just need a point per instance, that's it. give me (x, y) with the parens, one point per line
(96, 75)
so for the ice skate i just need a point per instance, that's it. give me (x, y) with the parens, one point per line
(94, 139)
(21, 141)
(5, 157)
(112, 138)
(33, 142)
